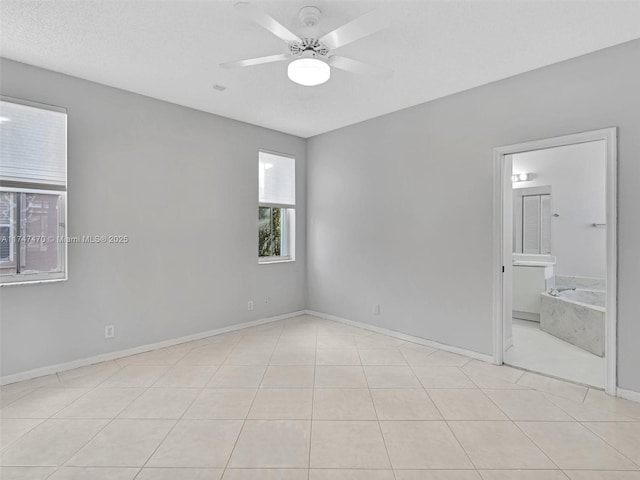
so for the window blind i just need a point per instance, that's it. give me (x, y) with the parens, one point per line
(531, 224)
(277, 180)
(545, 224)
(33, 144)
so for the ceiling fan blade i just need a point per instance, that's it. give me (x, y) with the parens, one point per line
(266, 21)
(356, 66)
(356, 29)
(249, 62)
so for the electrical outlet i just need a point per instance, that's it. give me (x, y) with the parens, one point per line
(376, 309)
(267, 300)
(250, 305)
(109, 331)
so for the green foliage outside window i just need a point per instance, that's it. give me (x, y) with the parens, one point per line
(269, 231)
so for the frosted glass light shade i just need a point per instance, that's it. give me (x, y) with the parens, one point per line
(309, 71)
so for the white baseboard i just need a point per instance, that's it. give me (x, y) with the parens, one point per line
(628, 394)
(531, 317)
(508, 343)
(83, 362)
(402, 336)
(104, 357)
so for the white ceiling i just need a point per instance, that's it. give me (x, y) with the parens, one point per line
(171, 49)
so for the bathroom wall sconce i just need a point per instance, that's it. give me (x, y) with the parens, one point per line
(522, 177)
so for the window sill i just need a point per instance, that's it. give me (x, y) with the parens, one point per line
(34, 281)
(275, 260)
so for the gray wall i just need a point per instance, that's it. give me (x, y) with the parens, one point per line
(400, 207)
(183, 185)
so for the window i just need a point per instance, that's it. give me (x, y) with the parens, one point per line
(276, 208)
(33, 185)
(532, 220)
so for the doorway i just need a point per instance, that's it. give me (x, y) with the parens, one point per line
(555, 257)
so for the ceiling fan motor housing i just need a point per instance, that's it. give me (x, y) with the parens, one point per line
(309, 47)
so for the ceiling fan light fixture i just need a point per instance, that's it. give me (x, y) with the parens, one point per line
(309, 71)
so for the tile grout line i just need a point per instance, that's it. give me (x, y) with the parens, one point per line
(174, 365)
(109, 422)
(384, 442)
(536, 445)
(637, 464)
(528, 388)
(313, 396)
(52, 417)
(235, 444)
(515, 382)
(179, 418)
(445, 421)
(518, 427)
(42, 420)
(536, 421)
(24, 394)
(500, 409)
(144, 390)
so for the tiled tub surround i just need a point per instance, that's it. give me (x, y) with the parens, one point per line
(575, 316)
(584, 283)
(310, 399)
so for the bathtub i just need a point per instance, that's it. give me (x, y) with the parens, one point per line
(577, 317)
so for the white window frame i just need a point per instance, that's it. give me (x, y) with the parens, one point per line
(288, 225)
(25, 278)
(12, 233)
(286, 228)
(45, 189)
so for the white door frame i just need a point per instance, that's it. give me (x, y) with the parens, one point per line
(503, 233)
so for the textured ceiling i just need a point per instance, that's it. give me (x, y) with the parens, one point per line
(171, 49)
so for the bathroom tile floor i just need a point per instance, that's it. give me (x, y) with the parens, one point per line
(306, 398)
(539, 351)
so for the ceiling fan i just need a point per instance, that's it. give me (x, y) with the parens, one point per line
(312, 58)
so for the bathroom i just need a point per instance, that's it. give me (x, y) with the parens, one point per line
(559, 263)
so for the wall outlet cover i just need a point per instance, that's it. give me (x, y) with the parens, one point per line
(109, 331)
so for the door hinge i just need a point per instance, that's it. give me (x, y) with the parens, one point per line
(502, 268)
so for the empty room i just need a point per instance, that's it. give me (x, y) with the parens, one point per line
(319, 240)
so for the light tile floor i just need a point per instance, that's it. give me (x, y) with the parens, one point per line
(309, 399)
(541, 352)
